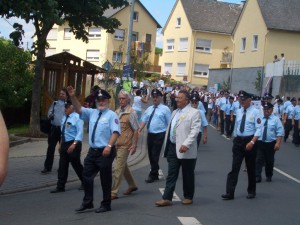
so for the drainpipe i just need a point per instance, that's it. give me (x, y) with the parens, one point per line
(129, 38)
(232, 60)
(263, 65)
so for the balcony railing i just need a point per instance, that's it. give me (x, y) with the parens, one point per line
(283, 68)
(226, 58)
(141, 46)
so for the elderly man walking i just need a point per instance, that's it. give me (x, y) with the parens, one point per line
(126, 144)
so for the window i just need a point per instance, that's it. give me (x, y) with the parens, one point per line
(168, 68)
(243, 44)
(183, 44)
(203, 45)
(201, 70)
(170, 45)
(135, 36)
(52, 35)
(148, 38)
(181, 69)
(119, 34)
(178, 22)
(94, 32)
(135, 16)
(255, 42)
(67, 34)
(117, 57)
(50, 51)
(66, 50)
(92, 55)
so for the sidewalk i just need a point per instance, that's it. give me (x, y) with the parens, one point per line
(27, 159)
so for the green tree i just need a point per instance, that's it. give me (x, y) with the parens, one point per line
(16, 75)
(79, 14)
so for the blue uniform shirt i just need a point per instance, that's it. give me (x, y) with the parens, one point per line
(235, 106)
(290, 111)
(227, 108)
(59, 112)
(107, 124)
(274, 128)
(160, 119)
(201, 107)
(297, 112)
(252, 125)
(204, 122)
(278, 110)
(73, 127)
(222, 102)
(286, 105)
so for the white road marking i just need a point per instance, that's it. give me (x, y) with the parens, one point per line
(189, 221)
(175, 196)
(212, 126)
(288, 176)
(160, 173)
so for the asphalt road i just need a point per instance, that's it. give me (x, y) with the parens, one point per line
(277, 203)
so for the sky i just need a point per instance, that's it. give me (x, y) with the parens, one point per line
(160, 10)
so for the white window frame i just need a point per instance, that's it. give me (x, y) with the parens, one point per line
(136, 16)
(92, 55)
(183, 44)
(119, 34)
(201, 70)
(135, 34)
(117, 57)
(181, 70)
(67, 34)
(203, 45)
(255, 43)
(178, 22)
(170, 45)
(50, 51)
(168, 68)
(94, 32)
(52, 35)
(243, 44)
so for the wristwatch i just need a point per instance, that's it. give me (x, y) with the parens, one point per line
(252, 142)
(109, 146)
(74, 143)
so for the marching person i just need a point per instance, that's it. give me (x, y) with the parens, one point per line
(296, 124)
(287, 118)
(55, 114)
(156, 119)
(4, 148)
(126, 144)
(247, 130)
(268, 143)
(229, 121)
(104, 129)
(70, 147)
(180, 149)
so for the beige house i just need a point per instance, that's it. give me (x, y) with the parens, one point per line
(198, 38)
(265, 29)
(104, 46)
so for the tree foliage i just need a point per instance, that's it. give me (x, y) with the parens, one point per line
(15, 75)
(44, 14)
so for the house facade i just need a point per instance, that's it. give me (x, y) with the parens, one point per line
(197, 39)
(103, 46)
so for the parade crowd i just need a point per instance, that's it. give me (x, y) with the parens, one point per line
(175, 123)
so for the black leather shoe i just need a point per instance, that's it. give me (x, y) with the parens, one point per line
(258, 179)
(227, 196)
(45, 171)
(57, 190)
(250, 196)
(102, 209)
(151, 179)
(269, 179)
(84, 207)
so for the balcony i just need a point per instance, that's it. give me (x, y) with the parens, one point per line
(283, 68)
(140, 46)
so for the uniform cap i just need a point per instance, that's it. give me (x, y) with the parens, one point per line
(293, 99)
(221, 92)
(231, 98)
(280, 100)
(267, 105)
(244, 95)
(68, 103)
(156, 92)
(195, 97)
(268, 96)
(102, 94)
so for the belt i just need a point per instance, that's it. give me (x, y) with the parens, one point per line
(244, 137)
(97, 149)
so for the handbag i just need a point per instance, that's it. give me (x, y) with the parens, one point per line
(45, 123)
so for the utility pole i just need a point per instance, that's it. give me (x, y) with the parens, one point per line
(129, 38)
